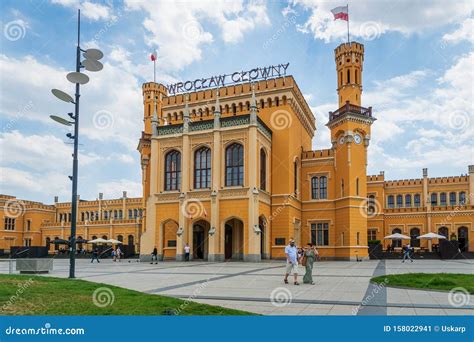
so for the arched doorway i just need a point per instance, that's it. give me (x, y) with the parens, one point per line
(414, 233)
(168, 240)
(444, 231)
(463, 239)
(233, 239)
(396, 243)
(200, 240)
(48, 243)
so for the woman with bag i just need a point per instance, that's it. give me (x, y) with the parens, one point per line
(310, 254)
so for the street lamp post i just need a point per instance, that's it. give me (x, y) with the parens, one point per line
(91, 63)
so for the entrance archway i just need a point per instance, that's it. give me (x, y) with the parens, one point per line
(463, 239)
(169, 229)
(201, 240)
(233, 239)
(444, 231)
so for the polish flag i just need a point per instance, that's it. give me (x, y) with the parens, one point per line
(154, 56)
(341, 12)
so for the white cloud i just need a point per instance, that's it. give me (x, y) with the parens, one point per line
(465, 32)
(89, 9)
(370, 19)
(178, 30)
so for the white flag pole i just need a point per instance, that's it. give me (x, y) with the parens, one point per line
(348, 39)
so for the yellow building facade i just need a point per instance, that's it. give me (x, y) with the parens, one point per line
(28, 223)
(231, 173)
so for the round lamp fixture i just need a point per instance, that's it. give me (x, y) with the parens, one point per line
(61, 120)
(77, 77)
(62, 95)
(92, 65)
(93, 54)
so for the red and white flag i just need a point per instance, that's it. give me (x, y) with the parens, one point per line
(341, 12)
(154, 56)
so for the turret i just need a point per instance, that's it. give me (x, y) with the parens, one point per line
(349, 62)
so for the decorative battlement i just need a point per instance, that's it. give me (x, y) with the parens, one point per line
(316, 154)
(149, 87)
(349, 48)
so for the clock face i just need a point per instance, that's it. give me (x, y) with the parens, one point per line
(357, 138)
(341, 140)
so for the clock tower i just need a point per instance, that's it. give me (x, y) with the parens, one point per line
(350, 136)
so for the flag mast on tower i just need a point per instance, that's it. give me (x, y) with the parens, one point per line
(154, 57)
(342, 12)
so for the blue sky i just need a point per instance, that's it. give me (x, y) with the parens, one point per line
(418, 74)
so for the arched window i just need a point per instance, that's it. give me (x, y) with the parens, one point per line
(323, 187)
(314, 188)
(408, 200)
(356, 76)
(115, 214)
(417, 200)
(104, 237)
(396, 243)
(120, 214)
(120, 238)
(399, 201)
(414, 233)
(442, 198)
(390, 201)
(452, 198)
(263, 170)
(130, 213)
(173, 170)
(348, 76)
(234, 165)
(130, 240)
(462, 198)
(295, 176)
(434, 199)
(135, 213)
(202, 168)
(443, 231)
(342, 187)
(234, 109)
(340, 79)
(371, 205)
(357, 186)
(106, 215)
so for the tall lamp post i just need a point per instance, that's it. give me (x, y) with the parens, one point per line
(90, 63)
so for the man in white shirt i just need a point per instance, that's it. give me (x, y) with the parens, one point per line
(291, 253)
(187, 250)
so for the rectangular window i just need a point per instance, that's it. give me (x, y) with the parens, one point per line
(320, 234)
(372, 234)
(9, 223)
(390, 202)
(28, 225)
(442, 198)
(417, 200)
(399, 201)
(280, 241)
(171, 243)
(407, 200)
(452, 198)
(314, 187)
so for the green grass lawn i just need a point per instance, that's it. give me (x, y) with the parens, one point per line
(433, 281)
(36, 295)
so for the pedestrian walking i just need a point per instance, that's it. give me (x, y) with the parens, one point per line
(154, 256)
(291, 253)
(95, 255)
(187, 250)
(310, 254)
(407, 253)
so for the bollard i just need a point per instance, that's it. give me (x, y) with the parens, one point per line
(10, 266)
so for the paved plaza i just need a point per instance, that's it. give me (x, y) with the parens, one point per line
(340, 287)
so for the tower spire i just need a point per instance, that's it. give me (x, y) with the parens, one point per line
(217, 112)
(253, 107)
(186, 114)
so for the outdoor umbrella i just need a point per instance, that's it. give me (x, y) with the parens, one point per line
(99, 240)
(114, 241)
(60, 242)
(81, 241)
(397, 236)
(431, 236)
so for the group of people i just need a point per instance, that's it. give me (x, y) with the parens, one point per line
(304, 256)
(116, 254)
(154, 254)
